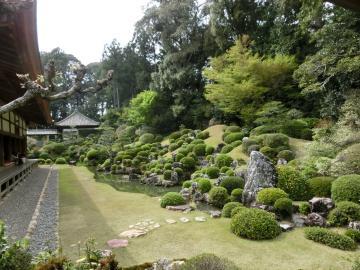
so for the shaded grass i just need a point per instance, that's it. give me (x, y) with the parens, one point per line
(91, 208)
(215, 135)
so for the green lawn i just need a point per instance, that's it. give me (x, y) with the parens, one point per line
(89, 208)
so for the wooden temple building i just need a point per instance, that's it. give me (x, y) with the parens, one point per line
(19, 54)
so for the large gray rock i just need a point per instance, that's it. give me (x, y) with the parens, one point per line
(315, 219)
(355, 225)
(261, 173)
(321, 205)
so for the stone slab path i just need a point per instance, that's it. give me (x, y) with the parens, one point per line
(23, 206)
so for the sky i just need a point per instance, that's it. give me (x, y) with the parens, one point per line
(83, 27)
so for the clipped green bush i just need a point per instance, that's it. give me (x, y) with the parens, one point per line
(203, 135)
(200, 150)
(179, 156)
(188, 163)
(230, 172)
(204, 185)
(218, 196)
(288, 155)
(237, 210)
(232, 137)
(329, 238)
(209, 150)
(255, 224)
(232, 129)
(171, 198)
(41, 161)
(147, 138)
(179, 172)
(236, 195)
(224, 169)
(343, 213)
(295, 128)
(213, 172)
(293, 183)
(223, 160)
(346, 188)
(175, 135)
(284, 206)
(268, 151)
(246, 144)
(228, 207)
(167, 174)
(208, 262)
(173, 146)
(353, 234)
(60, 160)
(187, 184)
(269, 196)
(48, 161)
(44, 155)
(304, 208)
(168, 166)
(226, 149)
(274, 140)
(320, 186)
(232, 182)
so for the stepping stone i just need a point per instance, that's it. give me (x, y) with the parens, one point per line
(134, 233)
(106, 253)
(170, 221)
(184, 219)
(117, 243)
(286, 226)
(156, 225)
(215, 214)
(131, 226)
(200, 219)
(181, 208)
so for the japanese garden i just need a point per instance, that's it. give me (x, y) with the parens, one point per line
(224, 135)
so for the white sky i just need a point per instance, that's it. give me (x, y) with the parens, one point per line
(83, 27)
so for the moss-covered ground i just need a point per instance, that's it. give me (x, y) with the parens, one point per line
(89, 208)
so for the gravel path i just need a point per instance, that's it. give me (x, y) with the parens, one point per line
(17, 210)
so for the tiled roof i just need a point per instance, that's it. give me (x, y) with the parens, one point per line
(77, 119)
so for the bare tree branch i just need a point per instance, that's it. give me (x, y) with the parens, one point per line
(35, 89)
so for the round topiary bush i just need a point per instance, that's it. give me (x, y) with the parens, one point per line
(288, 155)
(208, 262)
(292, 182)
(232, 182)
(329, 238)
(188, 163)
(204, 184)
(269, 196)
(44, 155)
(353, 234)
(346, 188)
(284, 206)
(179, 172)
(320, 186)
(171, 198)
(232, 137)
(147, 138)
(237, 210)
(91, 154)
(48, 161)
(226, 149)
(255, 224)
(274, 140)
(344, 213)
(167, 174)
(175, 135)
(228, 207)
(268, 151)
(213, 172)
(232, 129)
(168, 166)
(187, 184)
(304, 208)
(209, 150)
(199, 150)
(218, 196)
(203, 135)
(60, 160)
(223, 160)
(236, 195)
(224, 169)
(41, 161)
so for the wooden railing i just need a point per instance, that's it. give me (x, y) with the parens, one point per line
(11, 176)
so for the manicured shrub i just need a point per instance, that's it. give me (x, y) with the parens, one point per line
(107, 164)
(237, 210)
(168, 166)
(265, 129)
(55, 148)
(294, 128)
(320, 186)
(274, 140)
(224, 169)
(292, 182)
(304, 208)
(226, 149)
(179, 172)
(232, 129)
(329, 238)
(204, 185)
(81, 158)
(232, 182)
(147, 138)
(60, 160)
(200, 150)
(127, 162)
(223, 160)
(188, 163)
(198, 141)
(230, 172)
(209, 150)
(232, 137)
(167, 174)
(236, 144)
(92, 154)
(171, 198)
(41, 161)
(236, 195)
(213, 172)
(48, 161)
(246, 144)
(288, 155)
(203, 135)
(187, 184)
(268, 151)
(175, 135)
(173, 146)
(255, 224)
(347, 161)
(228, 207)
(346, 188)
(179, 156)
(344, 213)
(218, 196)
(44, 155)
(353, 234)
(208, 262)
(284, 206)
(269, 196)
